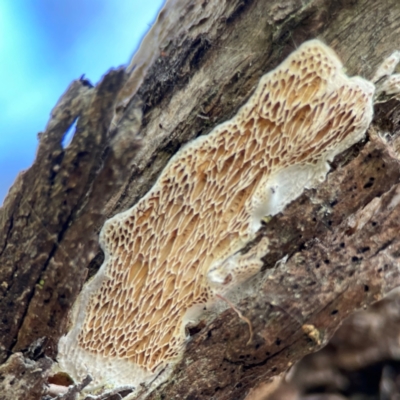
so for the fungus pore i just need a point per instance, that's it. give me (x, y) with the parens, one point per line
(179, 246)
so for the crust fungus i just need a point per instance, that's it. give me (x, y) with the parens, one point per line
(179, 246)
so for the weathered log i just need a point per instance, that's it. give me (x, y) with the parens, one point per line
(340, 238)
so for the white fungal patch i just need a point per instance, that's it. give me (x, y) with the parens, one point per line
(387, 67)
(180, 245)
(390, 86)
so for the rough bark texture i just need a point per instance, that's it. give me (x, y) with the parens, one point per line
(341, 238)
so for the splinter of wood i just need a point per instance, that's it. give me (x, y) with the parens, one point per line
(241, 316)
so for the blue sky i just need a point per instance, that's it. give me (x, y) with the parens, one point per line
(44, 45)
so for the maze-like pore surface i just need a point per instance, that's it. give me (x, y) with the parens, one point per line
(201, 210)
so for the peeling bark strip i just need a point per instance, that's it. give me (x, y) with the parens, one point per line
(50, 221)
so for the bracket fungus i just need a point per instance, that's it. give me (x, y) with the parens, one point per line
(180, 246)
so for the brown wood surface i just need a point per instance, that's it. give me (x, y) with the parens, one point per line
(341, 238)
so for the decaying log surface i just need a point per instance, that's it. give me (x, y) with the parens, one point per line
(341, 238)
(360, 361)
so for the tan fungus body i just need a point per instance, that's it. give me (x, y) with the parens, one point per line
(172, 252)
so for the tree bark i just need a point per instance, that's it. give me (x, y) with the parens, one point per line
(341, 239)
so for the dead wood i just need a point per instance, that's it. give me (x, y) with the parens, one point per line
(341, 238)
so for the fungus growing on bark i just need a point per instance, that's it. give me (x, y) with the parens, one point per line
(387, 67)
(179, 246)
(387, 82)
